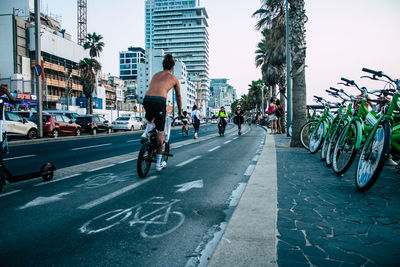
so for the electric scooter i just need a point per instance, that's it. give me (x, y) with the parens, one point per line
(46, 171)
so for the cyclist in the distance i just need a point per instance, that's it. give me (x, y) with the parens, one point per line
(185, 121)
(155, 101)
(222, 115)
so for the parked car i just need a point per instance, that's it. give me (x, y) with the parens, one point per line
(126, 124)
(56, 125)
(17, 126)
(70, 114)
(93, 124)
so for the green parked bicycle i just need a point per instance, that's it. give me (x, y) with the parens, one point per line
(383, 139)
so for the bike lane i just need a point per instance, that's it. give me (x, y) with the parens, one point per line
(198, 190)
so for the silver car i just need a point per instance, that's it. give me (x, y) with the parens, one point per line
(17, 126)
(126, 124)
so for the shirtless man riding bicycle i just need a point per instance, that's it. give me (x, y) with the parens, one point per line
(154, 103)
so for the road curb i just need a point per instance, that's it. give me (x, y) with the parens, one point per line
(251, 235)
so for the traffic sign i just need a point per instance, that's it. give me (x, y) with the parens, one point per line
(38, 70)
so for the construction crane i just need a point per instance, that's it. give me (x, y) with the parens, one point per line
(82, 21)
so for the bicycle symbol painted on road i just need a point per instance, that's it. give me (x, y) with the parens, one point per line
(99, 180)
(155, 214)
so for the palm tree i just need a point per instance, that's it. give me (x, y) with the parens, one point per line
(261, 51)
(94, 44)
(89, 67)
(298, 51)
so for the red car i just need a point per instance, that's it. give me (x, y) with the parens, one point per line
(56, 124)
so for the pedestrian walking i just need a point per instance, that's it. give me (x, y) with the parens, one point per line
(279, 112)
(196, 121)
(272, 117)
(239, 113)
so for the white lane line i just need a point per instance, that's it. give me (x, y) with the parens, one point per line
(235, 138)
(213, 149)
(20, 157)
(128, 160)
(53, 181)
(188, 161)
(178, 146)
(115, 194)
(237, 194)
(133, 140)
(102, 167)
(10, 193)
(86, 147)
(250, 170)
(255, 158)
(227, 142)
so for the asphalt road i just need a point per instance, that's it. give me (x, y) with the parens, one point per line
(97, 212)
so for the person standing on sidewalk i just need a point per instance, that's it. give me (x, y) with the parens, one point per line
(279, 112)
(239, 118)
(272, 116)
(155, 101)
(196, 121)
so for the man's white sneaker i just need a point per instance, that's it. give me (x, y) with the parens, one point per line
(161, 167)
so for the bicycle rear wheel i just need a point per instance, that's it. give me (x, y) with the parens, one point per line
(305, 133)
(345, 149)
(331, 145)
(373, 157)
(144, 160)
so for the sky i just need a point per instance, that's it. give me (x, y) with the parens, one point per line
(342, 37)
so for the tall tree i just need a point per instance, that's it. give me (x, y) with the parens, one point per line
(94, 44)
(298, 19)
(89, 67)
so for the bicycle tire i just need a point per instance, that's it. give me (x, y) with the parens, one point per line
(166, 152)
(304, 133)
(367, 174)
(348, 133)
(144, 160)
(326, 141)
(331, 145)
(316, 138)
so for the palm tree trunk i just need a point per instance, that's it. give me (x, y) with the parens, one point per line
(298, 51)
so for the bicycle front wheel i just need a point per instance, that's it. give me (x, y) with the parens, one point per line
(345, 149)
(326, 141)
(144, 160)
(373, 157)
(305, 132)
(316, 138)
(331, 144)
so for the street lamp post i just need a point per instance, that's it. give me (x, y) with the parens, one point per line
(38, 60)
(288, 69)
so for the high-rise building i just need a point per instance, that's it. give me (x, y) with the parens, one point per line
(222, 95)
(128, 63)
(179, 27)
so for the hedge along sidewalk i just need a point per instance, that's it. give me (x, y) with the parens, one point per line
(251, 235)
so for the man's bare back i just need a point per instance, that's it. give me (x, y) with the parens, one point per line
(161, 83)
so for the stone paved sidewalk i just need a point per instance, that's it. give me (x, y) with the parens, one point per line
(324, 221)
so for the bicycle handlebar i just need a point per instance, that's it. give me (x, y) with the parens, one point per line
(375, 73)
(334, 89)
(351, 82)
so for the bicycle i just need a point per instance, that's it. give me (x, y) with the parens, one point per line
(354, 133)
(143, 213)
(148, 151)
(221, 126)
(185, 129)
(308, 127)
(383, 139)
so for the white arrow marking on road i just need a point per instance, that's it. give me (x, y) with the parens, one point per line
(44, 200)
(187, 186)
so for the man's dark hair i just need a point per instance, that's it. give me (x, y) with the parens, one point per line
(168, 62)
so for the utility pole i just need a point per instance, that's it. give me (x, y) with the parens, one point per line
(262, 101)
(39, 92)
(288, 70)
